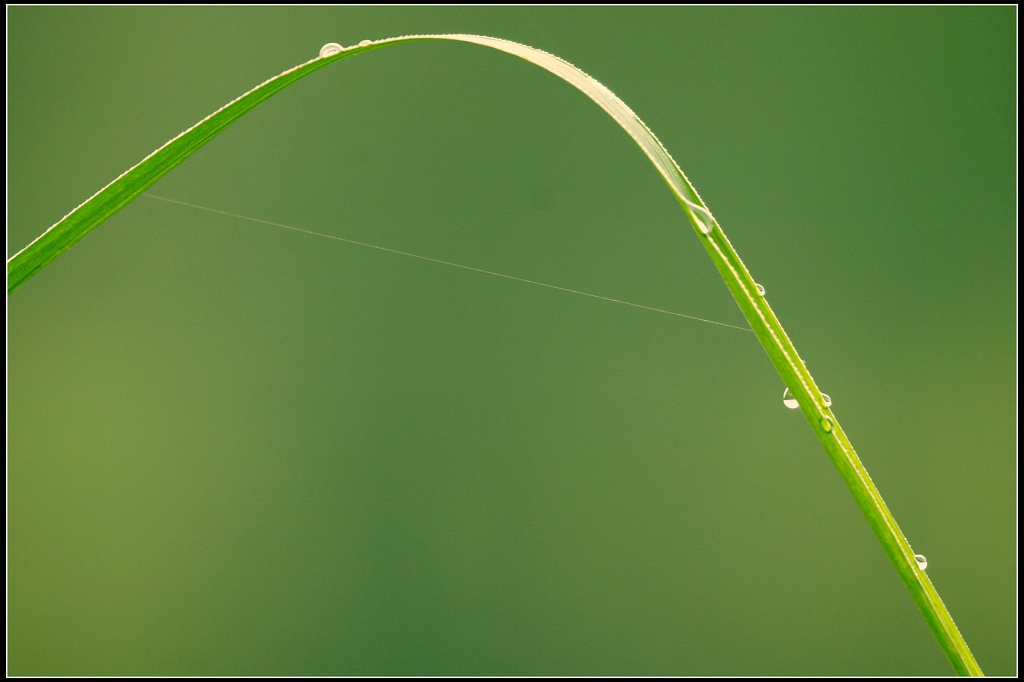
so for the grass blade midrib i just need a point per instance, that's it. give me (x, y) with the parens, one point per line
(91, 213)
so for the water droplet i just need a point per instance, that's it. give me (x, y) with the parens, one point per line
(789, 401)
(364, 42)
(922, 563)
(826, 423)
(760, 289)
(329, 49)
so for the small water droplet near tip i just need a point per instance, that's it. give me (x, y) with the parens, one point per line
(788, 400)
(826, 423)
(760, 289)
(364, 42)
(827, 399)
(329, 49)
(922, 563)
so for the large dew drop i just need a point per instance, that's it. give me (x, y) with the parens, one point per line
(922, 563)
(760, 289)
(329, 49)
(827, 399)
(826, 424)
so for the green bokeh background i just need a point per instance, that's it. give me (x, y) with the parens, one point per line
(234, 449)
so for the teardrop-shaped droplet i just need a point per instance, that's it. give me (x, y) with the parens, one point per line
(364, 42)
(922, 563)
(826, 424)
(827, 399)
(788, 400)
(329, 49)
(760, 289)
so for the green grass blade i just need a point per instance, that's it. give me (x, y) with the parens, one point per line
(66, 232)
(87, 216)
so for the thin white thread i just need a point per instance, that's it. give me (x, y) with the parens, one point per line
(443, 262)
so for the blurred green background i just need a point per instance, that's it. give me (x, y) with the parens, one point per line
(234, 449)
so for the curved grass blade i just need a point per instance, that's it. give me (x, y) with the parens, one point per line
(755, 308)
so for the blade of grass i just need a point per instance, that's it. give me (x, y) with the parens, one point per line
(66, 232)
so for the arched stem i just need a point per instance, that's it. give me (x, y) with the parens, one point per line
(119, 193)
